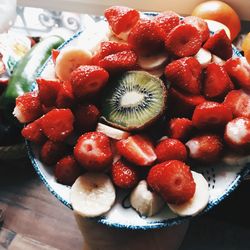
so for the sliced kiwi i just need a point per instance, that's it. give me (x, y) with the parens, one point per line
(134, 100)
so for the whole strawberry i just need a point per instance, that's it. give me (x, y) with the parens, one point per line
(93, 151)
(173, 180)
(124, 175)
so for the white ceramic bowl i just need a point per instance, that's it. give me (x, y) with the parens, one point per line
(222, 178)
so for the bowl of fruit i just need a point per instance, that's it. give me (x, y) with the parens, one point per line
(142, 120)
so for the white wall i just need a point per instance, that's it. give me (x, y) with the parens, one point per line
(97, 6)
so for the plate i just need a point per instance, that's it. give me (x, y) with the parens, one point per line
(222, 178)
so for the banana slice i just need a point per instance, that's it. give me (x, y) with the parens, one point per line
(217, 60)
(111, 132)
(124, 35)
(199, 200)
(92, 194)
(152, 62)
(144, 201)
(204, 57)
(69, 59)
(215, 26)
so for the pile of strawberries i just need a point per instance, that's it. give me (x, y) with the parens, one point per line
(208, 107)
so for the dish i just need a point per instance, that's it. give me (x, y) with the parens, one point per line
(222, 178)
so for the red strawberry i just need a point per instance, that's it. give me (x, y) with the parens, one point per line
(67, 170)
(237, 133)
(48, 90)
(33, 132)
(28, 107)
(216, 82)
(109, 48)
(147, 37)
(183, 105)
(210, 115)
(239, 102)
(65, 97)
(93, 151)
(51, 152)
(54, 54)
(180, 128)
(170, 149)
(239, 71)
(137, 149)
(205, 148)
(183, 40)
(185, 74)
(86, 117)
(57, 124)
(125, 60)
(220, 45)
(88, 80)
(124, 175)
(167, 20)
(199, 24)
(121, 18)
(173, 180)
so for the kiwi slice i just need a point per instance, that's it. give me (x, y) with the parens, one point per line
(134, 100)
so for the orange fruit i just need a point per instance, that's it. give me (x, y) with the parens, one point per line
(220, 12)
(246, 47)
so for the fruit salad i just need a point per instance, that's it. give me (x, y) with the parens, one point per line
(152, 97)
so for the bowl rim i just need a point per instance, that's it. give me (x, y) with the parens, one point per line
(151, 225)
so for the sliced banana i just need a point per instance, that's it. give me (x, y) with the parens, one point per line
(144, 201)
(215, 26)
(69, 59)
(217, 60)
(92, 194)
(152, 62)
(124, 35)
(199, 200)
(157, 72)
(204, 57)
(111, 132)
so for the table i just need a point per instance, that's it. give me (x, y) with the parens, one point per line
(35, 220)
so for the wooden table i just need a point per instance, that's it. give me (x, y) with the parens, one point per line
(34, 219)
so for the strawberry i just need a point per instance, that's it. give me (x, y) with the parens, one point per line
(124, 175)
(180, 128)
(147, 38)
(220, 45)
(108, 48)
(173, 180)
(65, 97)
(205, 148)
(237, 133)
(167, 20)
(121, 18)
(170, 149)
(137, 149)
(199, 24)
(54, 54)
(211, 115)
(28, 107)
(86, 117)
(33, 132)
(93, 151)
(51, 152)
(57, 124)
(67, 170)
(216, 82)
(48, 90)
(239, 71)
(125, 60)
(183, 105)
(88, 80)
(183, 40)
(184, 74)
(239, 102)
